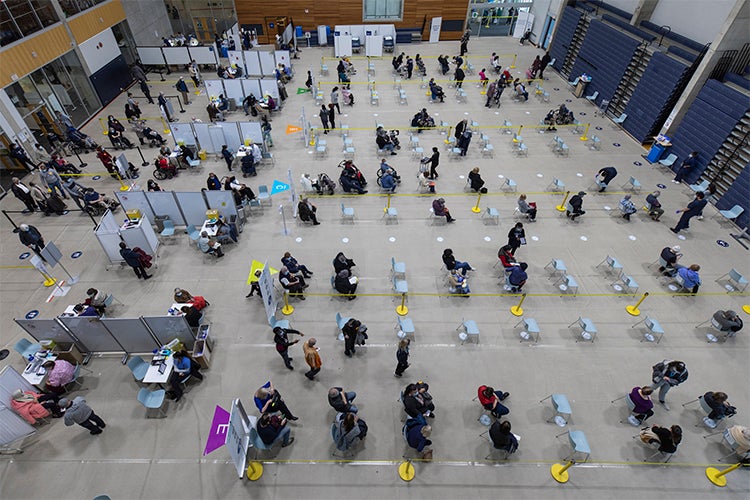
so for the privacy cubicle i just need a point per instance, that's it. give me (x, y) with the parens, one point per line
(160, 56)
(211, 136)
(370, 37)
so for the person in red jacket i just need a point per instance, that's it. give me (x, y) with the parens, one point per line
(491, 399)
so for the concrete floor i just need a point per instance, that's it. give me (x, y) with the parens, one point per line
(144, 458)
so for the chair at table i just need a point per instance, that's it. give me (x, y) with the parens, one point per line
(26, 348)
(193, 232)
(468, 329)
(152, 400)
(76, 378)
(138, 367)
(578, 443)
(168, 228)
(562, 408)
(588, 329)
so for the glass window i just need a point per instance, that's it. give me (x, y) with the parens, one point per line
(44, 11)
(82, 85)
(72, 7)
(9, 32)
(19, 18)
(382, 9)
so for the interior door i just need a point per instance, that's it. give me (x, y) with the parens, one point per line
(204, 29)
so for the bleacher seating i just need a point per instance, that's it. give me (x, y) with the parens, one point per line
(683, 40)
(566, 28)
(627, 27)
(737, 195)
(685, 54)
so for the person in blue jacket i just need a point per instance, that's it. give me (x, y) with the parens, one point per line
(693, 209)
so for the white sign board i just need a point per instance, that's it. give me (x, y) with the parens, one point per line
(238, 437)
(266, 287)
(435, 26)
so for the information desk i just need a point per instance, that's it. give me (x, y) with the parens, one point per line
(178, 308)
(38, 375)
(153, 376)
(210, 227)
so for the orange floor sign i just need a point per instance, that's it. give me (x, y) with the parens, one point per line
(290, 129)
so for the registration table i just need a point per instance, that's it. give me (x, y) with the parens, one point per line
(154, 375)
(211, 228)
(176, 309)
(34, 373)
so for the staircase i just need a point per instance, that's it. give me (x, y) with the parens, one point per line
(575, 45)
(630, 79)
(733, 156)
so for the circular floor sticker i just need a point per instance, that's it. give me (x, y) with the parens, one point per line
(535, 238)
(729, 287)
(96, 177)
(309, 152)
(66, 212)
(298, 239)
(540, 175)
(75, 255)
(32, 314)
(501, 176)
(440, 239)
(637, 163)
(607, 208)
(392, 239)
(618, 288)
(722, 243)
(523, 335)
(584, 238)
(374, 114)
(345, 240)
(528, 112)
(579, 174)
(487, 238)
(661, 186)
(462, 177)
(616, 144)
(582, 114)
(598, 128)
(680, 237)
(673, 287)
(632, 237)
(437, 114)
(563, 287)
(24, 256)
(497, 112)
(556, 89)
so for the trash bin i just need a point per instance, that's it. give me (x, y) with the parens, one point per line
(580, 88)
(159, 221)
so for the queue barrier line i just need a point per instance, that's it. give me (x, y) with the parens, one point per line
(590, 295)
(498, 127)
(413, 80)
(466, 58)
(16, 267)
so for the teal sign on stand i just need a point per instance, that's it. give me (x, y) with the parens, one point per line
(279, 187)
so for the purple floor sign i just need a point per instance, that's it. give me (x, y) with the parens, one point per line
(75, 255)
(661, 186)
(32, 314)
(24, 256)
(722, 243)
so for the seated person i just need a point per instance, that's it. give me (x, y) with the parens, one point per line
(387, 169)
(384, 144)
(192, 316)
(96, 299)
(691, 278)
(248, 104)
(272, 428)
(520, 89)
(643, 406)
(507, 259)
(528, 208)
(440, 210)
(417, 434)
(576, 203)
(491, 399)
(84, 311)
(417, 401)
(741, 436)
(451, 263)
(475, 181)
(207, 245)
(162, 163)
(32, 406)
(240, 189)
(341, 400)
(720, 408)
(349, 182)
(348, 427)
(182, 296)
(164, 150)
(670, 256)
(294, 266)
(728, 321)
(342, 262)
(268, 400)
(306, 211)
(91, 197)
(517, 277)
(425, 184)
(292, 282)
(654, 205)
(388, 182)
(214, 113)
(222, 103)
(458, 283)
(502, 438)
(59, 374)
(627, 207)
(436, 91)
(345, 283)
(183, 368)
(666, 438)
(225, 233)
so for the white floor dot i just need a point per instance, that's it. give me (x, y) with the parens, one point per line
(497, 112)
(528, 112)
(440, 239)
(535, 238)
(579, 174)
(584, 238)
(540, 175)
(374, 114)
(437, 114)
(607, 207)
(632, 237)
(298, 239)
(462, 177)
(487, 238)
(617, 288)
(309, 152)
(466, 113)
(501, 176)
(681, 237)
(392, 239)
(345, 240)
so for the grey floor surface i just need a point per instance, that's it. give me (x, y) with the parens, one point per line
(147, 458)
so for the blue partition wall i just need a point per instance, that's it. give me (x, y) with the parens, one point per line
(604, 55)
(566, 28)
(738, 194)
(646, 109)
(708, 122)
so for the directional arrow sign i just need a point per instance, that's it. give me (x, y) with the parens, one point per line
(290, 129)
(217, 436)
(302, 90)
(278, 187)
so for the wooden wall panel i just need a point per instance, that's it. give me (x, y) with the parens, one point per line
(33, 52)
(333, 12)
(93, 21)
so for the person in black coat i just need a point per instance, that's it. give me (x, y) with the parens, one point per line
(192, 316)
(693, 208)
(434, 162)
(576, 202)
(350, 330)
(606, 175)
(476, 181)
(133, 260)
(343, 284)
(340, 262)
(402, 357)
(502, 438)
(31, 237)
(23, 193)
(516, 237)
(459, 75)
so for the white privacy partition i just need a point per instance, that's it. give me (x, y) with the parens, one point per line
(223, 201)
(374, 46)
(216, 133)
(193, 207)
(201, 132)
(13, 428)
(234, 91)
(252, 63)
(166, 328)
(182, 132)
(251, 130)
(251, 86)
(108, 235)
(322, 35)
(176, 55)
(235, 57)
(268, 86)
(282, 57)
(342, 45)
(214, 88)
(164, 203)
(131, 334)
(203, 55)
(47, 329)
(92, 333)
(231, 135)
(135, 200)
(267, 63)
(150, 56)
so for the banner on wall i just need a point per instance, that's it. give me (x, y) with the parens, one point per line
(435, 26)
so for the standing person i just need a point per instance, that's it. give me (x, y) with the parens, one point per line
(281, 338)
(332, 116)
(402, 357)
(309, 81)
(605, 174)
(312, 358)
(516, 237)
(693, 208)
(133, 259)
(459, 129)
(409, 67)
(576, 203)
(31, 237)
(227, 155)
(535, 66)
(690, 162)
(335, 98)
(75, 191)
(51, 180)
(323, 114)
(78, 412)
(137, 73)
(181, 87)
(194, 73)
(546, 59)
(465, 41)
(17, 152)
(146, 91)
(350, 330)
(666, 375)
(163, 105)
(434, 162)
(23, 193)
(459, 75)
(64, 120)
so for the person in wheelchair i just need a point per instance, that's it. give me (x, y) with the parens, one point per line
(92, 198)
(387, 169)
(387, 182)
(115, 131)
(80, 140)
(351, 170)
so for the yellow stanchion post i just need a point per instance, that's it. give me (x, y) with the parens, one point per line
(254, 470)
(561, 206)
(513, 64)
(517, 310)
(164, 125)
(716, 476)
(406, 471)
(388, 205)
(123, 186)
(746, 308)
(584, 137)
(48, 280)
(560, 472)
(104, 127)
(402, 310)
(519, 130)
(476, 208)
(287, 309)
(633, 310)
